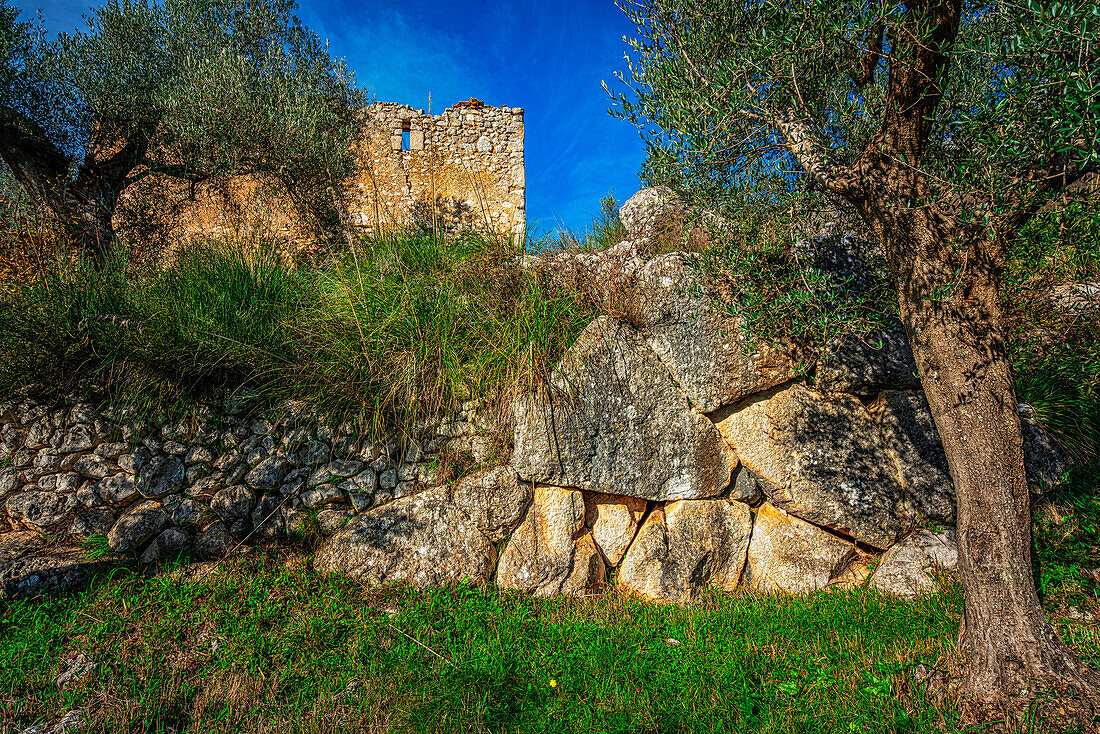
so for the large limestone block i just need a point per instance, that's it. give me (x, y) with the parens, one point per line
(822, 458)
(495, 500)
(686, 548)
(613, 520)
(906, 569)
(705, 348)
(654, 215)
(911, 439)
(550, 554)
(423, 540)
(612, 420)
(791, 555)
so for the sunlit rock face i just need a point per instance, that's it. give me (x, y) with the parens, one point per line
(611, 419)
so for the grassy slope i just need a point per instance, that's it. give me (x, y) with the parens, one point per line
(394, 329)
(266, 646)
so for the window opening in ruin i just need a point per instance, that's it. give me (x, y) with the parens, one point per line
(406, 134)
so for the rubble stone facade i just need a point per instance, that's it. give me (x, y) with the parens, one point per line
(468, 161)
(461, 168)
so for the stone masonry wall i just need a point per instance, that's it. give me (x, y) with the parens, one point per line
(469, 154)
(72, 469)
(466, 163)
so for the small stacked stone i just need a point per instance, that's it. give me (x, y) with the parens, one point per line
(206, 484)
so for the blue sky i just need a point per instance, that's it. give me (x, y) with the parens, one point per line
(547, 57)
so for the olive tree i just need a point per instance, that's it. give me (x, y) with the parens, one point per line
(187, 89)
(945, 125)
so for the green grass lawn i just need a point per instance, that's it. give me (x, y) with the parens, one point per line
(262, 644)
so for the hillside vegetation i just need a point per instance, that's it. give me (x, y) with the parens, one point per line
(400, 329)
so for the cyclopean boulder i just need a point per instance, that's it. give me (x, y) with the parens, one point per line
(604, 422)
(423, 540)
(551, 553)
(687, 548)
(821, 458)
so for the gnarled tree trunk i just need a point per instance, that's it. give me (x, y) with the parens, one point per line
(947, 285)
(83, 205)
(87, 216)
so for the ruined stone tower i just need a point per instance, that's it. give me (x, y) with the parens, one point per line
(461, 168)
(466, 163)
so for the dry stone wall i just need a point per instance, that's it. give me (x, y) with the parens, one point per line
(664, 452)
(72, 470)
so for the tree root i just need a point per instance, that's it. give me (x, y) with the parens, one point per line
(1059, 705)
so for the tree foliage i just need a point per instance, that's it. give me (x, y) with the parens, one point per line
(188, 89)
(707, 83)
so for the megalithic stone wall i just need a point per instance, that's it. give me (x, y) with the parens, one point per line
(465, 166)
(670, 454)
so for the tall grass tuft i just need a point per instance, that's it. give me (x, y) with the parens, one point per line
(394, 332)
(408, 327)
(1056, 353)
(214, 321)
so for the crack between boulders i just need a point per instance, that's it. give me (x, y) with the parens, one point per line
(720, 414)
(856, 543)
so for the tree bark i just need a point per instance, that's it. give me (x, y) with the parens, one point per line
(89, 216)
(84, 205)
(947, 277)
(948, 282)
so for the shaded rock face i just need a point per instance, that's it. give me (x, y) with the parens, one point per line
(1045, 461)
(423, 540)
(702, 346)
(906, 570)
(234, 502)
(550, 554)
(821, 458)
(495, 500)
(791, 555)
(905, 421)
(744, 487)
(161, 476)
(214, 540)
(166, 545)
(864, 364)
(605, 420)
(41, 510)
(613, 520)
(849, 263)
(137, 526)
(268, 474)
(687, 548)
